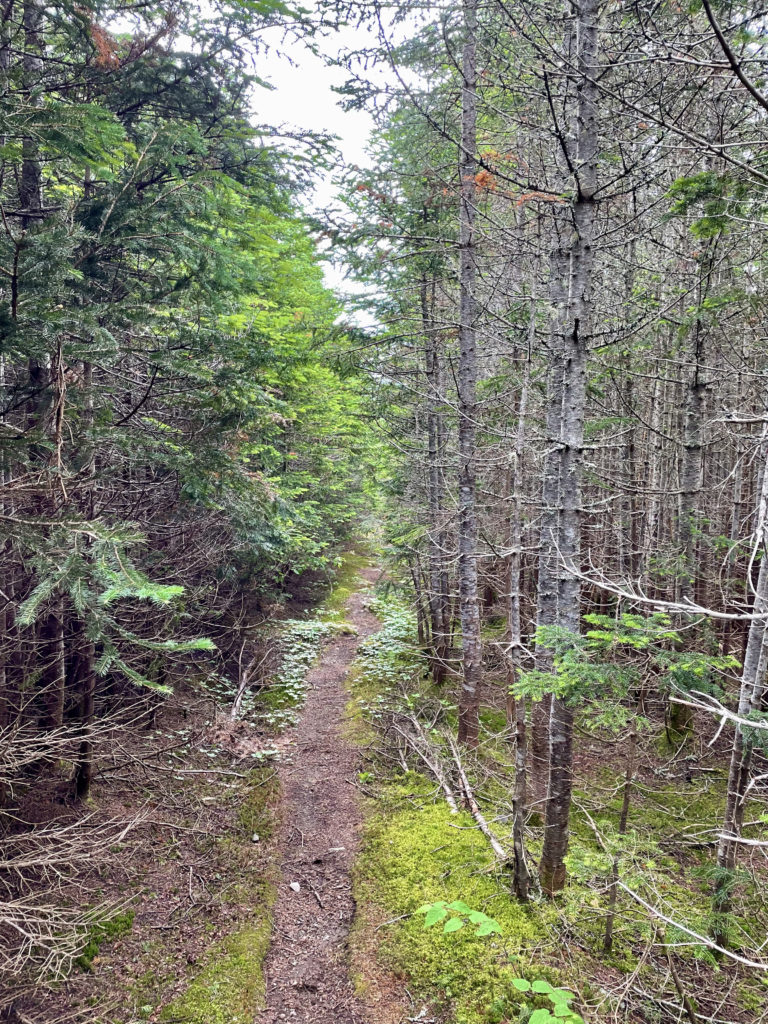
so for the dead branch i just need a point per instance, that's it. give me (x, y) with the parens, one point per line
(424, 749)
(472, 806)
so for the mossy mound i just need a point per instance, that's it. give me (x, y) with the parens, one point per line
(230, 988)
(416, 852)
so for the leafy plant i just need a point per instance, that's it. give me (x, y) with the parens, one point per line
(559, 997)
(457, 914)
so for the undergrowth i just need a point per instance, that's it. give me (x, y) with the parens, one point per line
(230, 987)
(415, 852)
(299, 642)
(103, 933)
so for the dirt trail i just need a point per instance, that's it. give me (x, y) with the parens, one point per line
(307, 975)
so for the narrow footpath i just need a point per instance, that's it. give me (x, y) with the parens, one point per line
(307, 974)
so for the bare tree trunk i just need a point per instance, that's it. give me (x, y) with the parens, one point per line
(85, 653)
(517, 705)
(568, 394)
(469, 608)
(438, 584)
(751, 693)
(691, 469)
(50, 639)
(31, 181)
(651, 528)
(679, 716)
(547, 593)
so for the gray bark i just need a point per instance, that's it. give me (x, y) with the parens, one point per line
(751, 693)
(566, 402)
(468, 602)
(437, 539)
(517, 705)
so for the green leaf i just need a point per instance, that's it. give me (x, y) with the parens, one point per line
(541, 1017)
(460, 907)
(560, 995)
(521, 984)
(542, 987)
(563, 1010)
(453, 925)
(488, 927)
(435, 913)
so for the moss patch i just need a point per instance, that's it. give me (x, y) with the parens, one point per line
(254, 813)
(346, 582)
(104, 932)
(416, 852)
(230, 988)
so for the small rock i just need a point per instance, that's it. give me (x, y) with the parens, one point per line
(255, 837)
(295, 886)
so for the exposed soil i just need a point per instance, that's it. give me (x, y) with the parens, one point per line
(307, 967)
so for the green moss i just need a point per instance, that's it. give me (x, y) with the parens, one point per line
(230, 987)
(254, 812)
(104, 932)
(493, 720)
(414, 853)
(357, 729)
(346, 582)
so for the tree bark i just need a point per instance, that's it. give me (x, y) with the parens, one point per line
(468, 602)
(85, 651)
(438, 576)
(31, 180)
(751, 692)
(566, 400)
(513, 654)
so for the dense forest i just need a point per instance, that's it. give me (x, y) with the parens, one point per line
(400, 656)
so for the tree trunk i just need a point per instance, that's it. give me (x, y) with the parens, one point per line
(680, 717)
(50, 638)
(87, 683)
(31, 180)
(438, 583)
(566, 399)
(751, 692)
(85, 653)
(469, 608)
(517, 705)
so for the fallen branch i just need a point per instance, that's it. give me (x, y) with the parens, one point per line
(422, 749)
(473, 808)
(708, 943)
(655, 912)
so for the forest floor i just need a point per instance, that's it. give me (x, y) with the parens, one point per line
(231, 899)
(306, 969)
(279, 862)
